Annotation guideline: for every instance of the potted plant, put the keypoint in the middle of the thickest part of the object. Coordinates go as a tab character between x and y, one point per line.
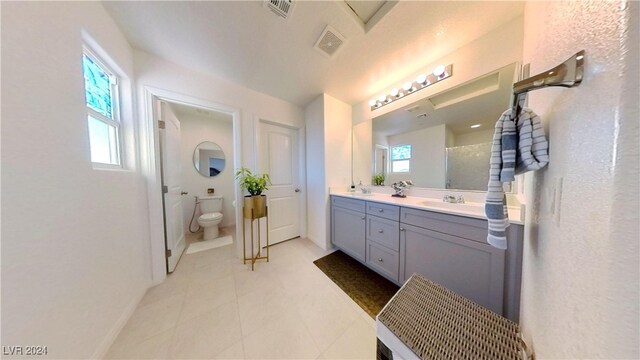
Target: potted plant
254	184
378	179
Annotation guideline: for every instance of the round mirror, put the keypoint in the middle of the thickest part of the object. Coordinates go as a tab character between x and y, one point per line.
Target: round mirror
208	159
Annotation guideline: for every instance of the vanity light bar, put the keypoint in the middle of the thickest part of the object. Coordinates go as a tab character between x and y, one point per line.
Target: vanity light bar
440	73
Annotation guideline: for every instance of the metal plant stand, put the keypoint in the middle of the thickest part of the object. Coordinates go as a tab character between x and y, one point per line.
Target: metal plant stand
254	257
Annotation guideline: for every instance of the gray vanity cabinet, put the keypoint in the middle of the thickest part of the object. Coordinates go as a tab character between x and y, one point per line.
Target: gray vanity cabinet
451	250
471	269
348	222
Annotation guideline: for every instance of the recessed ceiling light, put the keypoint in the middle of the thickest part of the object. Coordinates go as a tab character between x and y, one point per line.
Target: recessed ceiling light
475	126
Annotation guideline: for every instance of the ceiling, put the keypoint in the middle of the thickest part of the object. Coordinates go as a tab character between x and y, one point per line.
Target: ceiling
244	42
480	101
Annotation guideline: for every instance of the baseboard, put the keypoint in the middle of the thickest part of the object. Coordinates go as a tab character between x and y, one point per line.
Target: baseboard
321	246
108	340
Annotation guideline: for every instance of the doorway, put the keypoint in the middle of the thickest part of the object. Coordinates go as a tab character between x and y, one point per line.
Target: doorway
199	182
152	164
381	160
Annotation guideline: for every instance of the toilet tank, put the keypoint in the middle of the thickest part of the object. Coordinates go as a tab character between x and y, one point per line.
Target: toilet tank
210	204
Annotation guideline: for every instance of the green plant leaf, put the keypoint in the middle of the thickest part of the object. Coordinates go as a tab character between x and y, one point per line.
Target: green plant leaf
254	184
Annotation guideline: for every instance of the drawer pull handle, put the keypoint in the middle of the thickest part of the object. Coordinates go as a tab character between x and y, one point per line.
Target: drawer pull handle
363	218
401	229
380	259
380	231
380	210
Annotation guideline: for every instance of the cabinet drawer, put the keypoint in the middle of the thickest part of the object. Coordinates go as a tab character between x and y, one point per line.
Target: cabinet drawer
464	227
390	212
351	204
383	260
384	232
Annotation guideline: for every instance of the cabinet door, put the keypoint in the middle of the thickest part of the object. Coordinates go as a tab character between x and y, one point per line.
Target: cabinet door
471	269
348	231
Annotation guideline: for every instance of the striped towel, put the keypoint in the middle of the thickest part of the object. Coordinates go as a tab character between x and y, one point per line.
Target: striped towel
515	150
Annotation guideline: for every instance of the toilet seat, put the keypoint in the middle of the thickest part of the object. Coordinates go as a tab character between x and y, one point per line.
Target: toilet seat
210	216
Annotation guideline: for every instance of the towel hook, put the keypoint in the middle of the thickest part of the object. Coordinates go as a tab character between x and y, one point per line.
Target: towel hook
568	74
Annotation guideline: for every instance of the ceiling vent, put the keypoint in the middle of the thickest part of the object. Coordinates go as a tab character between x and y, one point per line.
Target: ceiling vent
280	7
330	41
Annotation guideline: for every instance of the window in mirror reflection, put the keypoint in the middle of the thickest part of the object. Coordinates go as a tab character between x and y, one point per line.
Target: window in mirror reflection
400	158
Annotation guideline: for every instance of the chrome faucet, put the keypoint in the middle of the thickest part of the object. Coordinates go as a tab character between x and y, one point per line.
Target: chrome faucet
452	199
449	199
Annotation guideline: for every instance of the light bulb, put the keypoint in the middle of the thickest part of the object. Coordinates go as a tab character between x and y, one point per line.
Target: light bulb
438	71
407	86
394	92
382	98
475	126
372	102
422	79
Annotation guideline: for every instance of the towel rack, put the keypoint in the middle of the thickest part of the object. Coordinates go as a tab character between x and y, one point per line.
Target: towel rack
568	74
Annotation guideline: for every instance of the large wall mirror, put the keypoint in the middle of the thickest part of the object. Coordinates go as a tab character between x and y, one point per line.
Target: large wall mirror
208	159
444	140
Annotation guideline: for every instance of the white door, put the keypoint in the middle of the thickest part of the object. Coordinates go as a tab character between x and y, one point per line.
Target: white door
279	158
171	170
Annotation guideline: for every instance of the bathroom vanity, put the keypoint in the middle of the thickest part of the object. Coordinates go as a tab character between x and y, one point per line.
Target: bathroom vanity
446	243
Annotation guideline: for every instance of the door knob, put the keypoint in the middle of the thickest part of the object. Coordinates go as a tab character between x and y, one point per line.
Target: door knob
184	193
297	190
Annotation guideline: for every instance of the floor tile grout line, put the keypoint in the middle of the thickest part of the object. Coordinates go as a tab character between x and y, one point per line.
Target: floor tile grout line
301	254
341	334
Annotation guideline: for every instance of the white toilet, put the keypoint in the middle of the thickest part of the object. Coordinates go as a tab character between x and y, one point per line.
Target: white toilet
211	209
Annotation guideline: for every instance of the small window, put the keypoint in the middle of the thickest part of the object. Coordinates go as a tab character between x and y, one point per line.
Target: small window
101	92
400	158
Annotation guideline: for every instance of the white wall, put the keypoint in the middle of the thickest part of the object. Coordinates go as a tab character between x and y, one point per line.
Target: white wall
472	138
362	145
337	141
428	157
217	128
75	242
328	127
316	186
251	105
580	279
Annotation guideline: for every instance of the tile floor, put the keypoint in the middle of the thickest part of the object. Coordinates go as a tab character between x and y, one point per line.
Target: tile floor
214	307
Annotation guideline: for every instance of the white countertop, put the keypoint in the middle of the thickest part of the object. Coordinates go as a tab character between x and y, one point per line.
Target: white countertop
470	209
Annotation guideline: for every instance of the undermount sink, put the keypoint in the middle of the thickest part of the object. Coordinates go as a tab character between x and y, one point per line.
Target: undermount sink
476	208
360	194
